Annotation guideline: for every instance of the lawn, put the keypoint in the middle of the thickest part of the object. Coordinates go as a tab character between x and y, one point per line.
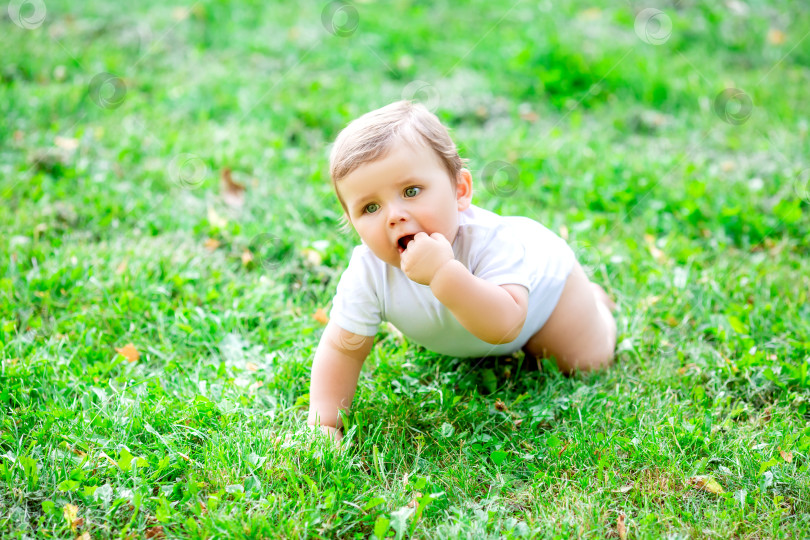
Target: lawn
169	244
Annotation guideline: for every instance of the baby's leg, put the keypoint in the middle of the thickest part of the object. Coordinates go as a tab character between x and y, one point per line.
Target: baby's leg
581	332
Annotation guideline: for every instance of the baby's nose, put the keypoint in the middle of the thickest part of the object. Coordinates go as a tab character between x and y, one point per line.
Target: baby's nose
396	215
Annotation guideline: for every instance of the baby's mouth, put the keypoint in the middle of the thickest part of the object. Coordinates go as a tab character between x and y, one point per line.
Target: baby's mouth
403	242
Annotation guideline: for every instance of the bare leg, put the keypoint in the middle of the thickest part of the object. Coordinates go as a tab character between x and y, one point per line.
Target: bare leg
581	332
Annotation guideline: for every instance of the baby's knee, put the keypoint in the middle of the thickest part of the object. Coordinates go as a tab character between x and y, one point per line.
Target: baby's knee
595	359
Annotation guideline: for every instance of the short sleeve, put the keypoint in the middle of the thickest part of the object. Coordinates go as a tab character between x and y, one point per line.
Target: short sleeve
356	305
501	258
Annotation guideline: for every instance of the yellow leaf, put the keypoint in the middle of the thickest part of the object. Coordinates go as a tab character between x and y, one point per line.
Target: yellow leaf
312	257
706	483
211	244
776	36
215	219
622	528
70	511
129	352
321	316
180	13
66	143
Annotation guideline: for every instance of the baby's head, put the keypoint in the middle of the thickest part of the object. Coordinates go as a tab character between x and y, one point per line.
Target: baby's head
371	137
397	173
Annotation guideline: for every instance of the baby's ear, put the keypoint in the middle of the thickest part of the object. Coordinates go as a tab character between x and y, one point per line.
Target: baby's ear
464	189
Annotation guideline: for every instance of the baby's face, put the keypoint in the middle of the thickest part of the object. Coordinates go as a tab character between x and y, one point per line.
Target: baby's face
406	192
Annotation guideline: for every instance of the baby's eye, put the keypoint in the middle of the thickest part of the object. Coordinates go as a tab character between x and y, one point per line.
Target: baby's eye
371	208
412	191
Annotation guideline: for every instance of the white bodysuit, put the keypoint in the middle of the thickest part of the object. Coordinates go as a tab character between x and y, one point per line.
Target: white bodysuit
499	249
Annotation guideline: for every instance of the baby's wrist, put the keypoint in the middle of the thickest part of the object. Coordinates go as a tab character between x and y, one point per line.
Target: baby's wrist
443	269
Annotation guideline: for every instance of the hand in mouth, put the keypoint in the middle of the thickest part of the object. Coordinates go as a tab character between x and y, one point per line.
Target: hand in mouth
402	243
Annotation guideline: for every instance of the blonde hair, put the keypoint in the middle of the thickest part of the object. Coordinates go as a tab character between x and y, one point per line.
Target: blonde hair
371	137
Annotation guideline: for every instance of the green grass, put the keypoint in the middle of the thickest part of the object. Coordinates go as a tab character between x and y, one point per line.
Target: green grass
698	227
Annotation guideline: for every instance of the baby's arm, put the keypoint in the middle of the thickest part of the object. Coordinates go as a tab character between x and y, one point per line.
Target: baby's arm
492	313
335	370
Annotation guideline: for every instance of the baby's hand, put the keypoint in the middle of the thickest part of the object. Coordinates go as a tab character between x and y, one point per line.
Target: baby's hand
424	256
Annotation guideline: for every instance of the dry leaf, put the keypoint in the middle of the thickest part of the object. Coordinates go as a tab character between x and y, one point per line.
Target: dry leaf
500	405
728	166
155	532
776	36
415	501
121	268
321	316
787	456
247	257
77	523
623	489
255	386
233	193
70	511
622	528
564	232
110	460
687	367
84	536
129	352
706	483
211	244
251	366
529	116
66	143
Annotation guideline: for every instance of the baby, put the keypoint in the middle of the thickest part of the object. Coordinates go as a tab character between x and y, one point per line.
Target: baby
454	278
